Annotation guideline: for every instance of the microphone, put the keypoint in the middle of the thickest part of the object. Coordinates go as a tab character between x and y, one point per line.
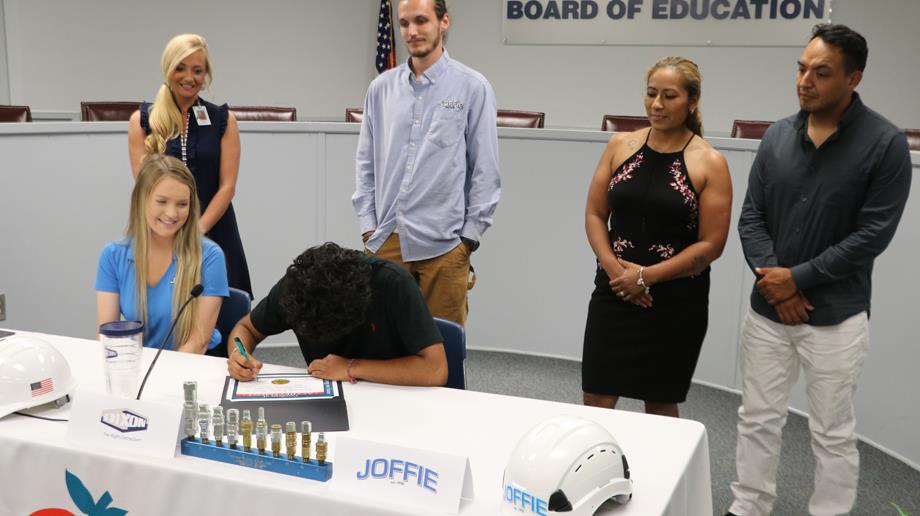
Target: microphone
196	291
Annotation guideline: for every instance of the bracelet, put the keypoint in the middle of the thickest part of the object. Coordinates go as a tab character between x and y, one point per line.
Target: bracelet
351	379
641	281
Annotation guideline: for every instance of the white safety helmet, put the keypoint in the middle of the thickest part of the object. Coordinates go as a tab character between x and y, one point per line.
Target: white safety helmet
32	373
565	466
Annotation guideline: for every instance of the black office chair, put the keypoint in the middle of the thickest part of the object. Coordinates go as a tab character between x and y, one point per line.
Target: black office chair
107	111
15	114
623	123
354	115
913	138
234	308
455	348
750	129
264	113
522	119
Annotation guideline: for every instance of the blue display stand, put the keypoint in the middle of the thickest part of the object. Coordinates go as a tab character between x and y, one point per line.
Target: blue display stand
298	468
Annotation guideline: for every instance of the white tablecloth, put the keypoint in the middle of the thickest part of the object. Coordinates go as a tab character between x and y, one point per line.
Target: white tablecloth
668	458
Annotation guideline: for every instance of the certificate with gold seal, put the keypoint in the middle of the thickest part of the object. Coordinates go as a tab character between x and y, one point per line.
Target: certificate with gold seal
282	386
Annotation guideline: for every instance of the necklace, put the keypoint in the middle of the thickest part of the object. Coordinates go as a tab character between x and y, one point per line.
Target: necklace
183	139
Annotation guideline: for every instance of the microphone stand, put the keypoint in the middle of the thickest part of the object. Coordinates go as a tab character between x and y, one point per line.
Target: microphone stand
196	291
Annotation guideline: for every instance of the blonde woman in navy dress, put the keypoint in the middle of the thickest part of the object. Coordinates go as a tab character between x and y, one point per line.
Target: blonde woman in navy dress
204	136
657	215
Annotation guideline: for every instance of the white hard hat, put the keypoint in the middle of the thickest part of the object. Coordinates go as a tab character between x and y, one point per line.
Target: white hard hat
32	373
565	466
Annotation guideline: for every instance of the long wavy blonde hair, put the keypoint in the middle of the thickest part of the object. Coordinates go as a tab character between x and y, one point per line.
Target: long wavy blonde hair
693	83
186	246
165	118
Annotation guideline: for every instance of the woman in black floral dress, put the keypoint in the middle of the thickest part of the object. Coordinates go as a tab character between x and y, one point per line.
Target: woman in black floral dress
666	195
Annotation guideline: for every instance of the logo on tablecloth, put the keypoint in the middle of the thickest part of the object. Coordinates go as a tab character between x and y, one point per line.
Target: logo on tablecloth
84	501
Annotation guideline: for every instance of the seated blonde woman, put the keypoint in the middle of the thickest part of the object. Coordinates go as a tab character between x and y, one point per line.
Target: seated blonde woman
149	274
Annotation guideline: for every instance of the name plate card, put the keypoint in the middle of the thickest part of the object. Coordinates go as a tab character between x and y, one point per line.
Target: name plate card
117	424
386	473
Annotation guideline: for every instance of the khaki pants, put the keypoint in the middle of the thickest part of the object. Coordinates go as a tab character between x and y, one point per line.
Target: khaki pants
444	280
831	358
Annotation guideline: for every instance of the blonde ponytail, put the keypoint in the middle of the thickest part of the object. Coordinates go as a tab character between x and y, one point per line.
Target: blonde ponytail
165	121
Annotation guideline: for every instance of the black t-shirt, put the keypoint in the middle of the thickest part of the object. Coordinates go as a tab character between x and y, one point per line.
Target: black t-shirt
397	322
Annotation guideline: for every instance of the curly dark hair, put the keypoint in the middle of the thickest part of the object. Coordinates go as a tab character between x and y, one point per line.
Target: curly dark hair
326	291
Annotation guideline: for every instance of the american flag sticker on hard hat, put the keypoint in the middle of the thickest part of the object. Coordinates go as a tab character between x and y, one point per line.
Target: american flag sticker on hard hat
43	387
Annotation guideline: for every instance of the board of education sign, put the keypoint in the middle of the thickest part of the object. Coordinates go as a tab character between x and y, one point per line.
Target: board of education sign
662	22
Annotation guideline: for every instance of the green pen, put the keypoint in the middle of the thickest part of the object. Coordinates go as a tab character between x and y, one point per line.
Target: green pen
239	346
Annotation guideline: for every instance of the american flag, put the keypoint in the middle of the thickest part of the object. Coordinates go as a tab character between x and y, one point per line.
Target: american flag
43	387
386	38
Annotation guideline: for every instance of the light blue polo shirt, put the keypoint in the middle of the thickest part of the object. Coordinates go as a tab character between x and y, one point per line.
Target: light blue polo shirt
116	274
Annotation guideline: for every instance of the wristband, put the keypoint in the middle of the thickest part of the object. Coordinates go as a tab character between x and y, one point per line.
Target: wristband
351	379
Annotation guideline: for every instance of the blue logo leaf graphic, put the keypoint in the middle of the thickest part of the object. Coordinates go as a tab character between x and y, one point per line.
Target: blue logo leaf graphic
102	504
79	494
114	511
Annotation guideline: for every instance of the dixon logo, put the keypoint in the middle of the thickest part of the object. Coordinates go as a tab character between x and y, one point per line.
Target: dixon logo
124	420
399	472
524	501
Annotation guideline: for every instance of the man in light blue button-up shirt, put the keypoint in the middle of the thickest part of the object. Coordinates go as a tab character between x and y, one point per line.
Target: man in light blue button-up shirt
427	162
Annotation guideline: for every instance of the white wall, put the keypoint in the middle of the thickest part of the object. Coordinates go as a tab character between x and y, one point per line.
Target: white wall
575	85
318	55
4	74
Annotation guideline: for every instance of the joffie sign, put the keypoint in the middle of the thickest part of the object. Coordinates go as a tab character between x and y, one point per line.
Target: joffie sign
384	473
662	22
401	472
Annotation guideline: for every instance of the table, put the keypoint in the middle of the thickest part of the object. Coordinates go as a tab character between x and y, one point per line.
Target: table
668	458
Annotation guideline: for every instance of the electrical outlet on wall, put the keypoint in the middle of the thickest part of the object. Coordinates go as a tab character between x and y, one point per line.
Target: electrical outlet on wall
2	306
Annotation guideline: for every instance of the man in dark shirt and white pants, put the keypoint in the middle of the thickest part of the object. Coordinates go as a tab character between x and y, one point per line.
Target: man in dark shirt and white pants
825	194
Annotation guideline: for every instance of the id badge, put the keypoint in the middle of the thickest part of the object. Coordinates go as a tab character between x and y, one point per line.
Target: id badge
201	115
